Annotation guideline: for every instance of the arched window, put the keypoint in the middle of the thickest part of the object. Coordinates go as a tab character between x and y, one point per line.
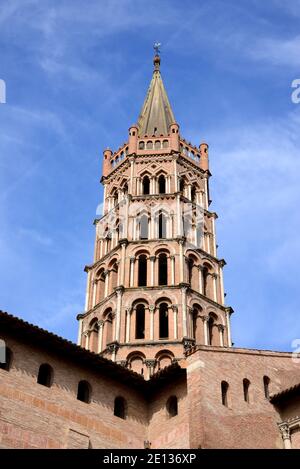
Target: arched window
266	380
140	322
120	407
146	185
163	269
141	145
144	227
142	274
172	406
162	184
246	385
7	360
115	196
181	185
211	325
193	194
190	269
157	145
45	375
162	226
84	392
149	145
224	393
205	280
165	144
163	321
114	276
101	285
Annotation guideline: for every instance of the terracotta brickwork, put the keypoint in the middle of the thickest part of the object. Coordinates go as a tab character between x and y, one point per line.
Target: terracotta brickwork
154	365
155	248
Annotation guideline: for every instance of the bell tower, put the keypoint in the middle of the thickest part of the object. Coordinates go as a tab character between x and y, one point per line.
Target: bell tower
155	286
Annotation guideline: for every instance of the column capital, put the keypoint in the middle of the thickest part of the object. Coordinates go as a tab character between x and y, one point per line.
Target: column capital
175	308
284	430
132	259
113	347
100	323
152	308
123	242
152	258
106	272
150	363
184	286
221	327
119	290
205	318
214	275
172	257
181	240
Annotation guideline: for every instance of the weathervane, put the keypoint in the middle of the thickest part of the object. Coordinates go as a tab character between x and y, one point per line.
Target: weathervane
156	47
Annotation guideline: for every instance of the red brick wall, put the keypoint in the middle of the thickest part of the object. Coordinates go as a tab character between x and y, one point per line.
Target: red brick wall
34	416
166	431
241	424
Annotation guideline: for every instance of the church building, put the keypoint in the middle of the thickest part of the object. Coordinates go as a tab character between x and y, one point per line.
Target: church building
154	365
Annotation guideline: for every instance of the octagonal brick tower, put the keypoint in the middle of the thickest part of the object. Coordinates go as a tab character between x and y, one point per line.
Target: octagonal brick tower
155	286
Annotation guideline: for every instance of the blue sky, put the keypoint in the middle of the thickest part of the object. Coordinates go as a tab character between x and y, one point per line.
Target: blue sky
76	74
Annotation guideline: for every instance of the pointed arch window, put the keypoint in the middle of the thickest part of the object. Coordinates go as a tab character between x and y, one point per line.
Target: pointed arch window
140	322
142	271
163	269
144	227
211	324
162	226
163	321
146	185
205	280
162	184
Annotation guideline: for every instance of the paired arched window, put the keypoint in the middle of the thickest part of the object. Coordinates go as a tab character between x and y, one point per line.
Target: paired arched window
45	375
172	406
120	407
84	392
246	385
224	393
146	185
163	321
162	225
163	269
140	322
266	381
162	184
6	365
142	270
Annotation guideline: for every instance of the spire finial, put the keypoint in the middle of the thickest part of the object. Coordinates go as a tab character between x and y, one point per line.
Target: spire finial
156	60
